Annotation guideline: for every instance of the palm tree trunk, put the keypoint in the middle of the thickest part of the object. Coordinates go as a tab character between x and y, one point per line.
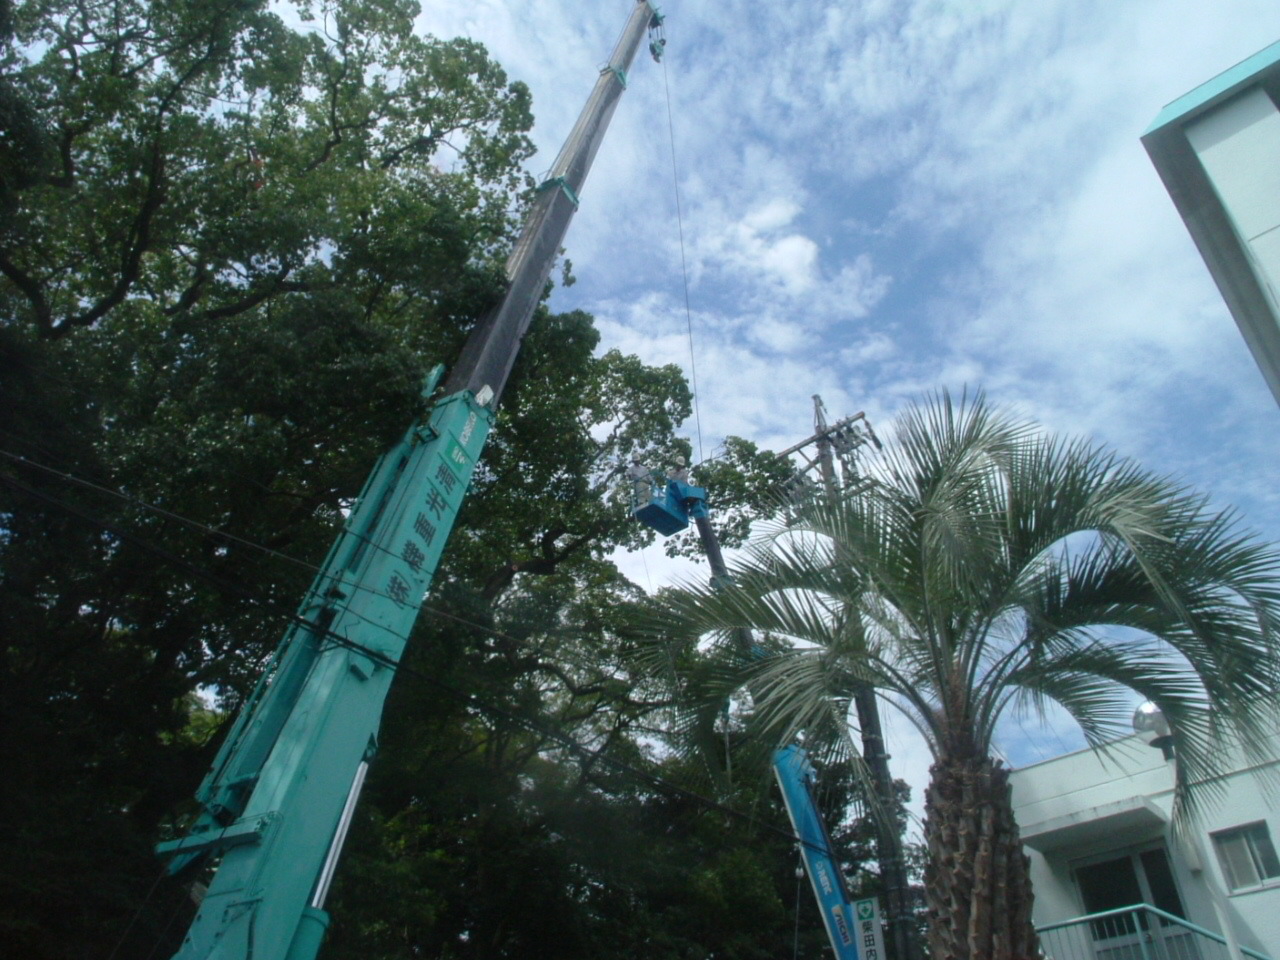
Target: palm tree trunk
978	881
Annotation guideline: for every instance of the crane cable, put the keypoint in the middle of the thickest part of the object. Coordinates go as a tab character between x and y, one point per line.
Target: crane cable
684	267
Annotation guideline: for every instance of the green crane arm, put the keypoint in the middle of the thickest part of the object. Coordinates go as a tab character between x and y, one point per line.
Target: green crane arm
279	796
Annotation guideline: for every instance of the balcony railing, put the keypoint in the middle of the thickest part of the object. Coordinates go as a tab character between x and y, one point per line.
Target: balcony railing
1140	932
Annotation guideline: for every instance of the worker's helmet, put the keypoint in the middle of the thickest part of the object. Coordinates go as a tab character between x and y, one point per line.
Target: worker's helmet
679	461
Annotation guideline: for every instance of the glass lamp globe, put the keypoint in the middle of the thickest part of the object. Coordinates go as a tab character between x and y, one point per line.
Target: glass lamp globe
1149	723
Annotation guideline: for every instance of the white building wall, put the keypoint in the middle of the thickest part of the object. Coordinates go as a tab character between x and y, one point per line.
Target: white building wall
1085	806
1215	148
1238	144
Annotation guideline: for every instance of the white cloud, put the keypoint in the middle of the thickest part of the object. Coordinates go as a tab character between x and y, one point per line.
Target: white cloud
779	336
772	215
884	198
759	252
874	349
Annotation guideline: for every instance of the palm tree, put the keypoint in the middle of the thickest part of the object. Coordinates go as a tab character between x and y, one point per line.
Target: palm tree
986	566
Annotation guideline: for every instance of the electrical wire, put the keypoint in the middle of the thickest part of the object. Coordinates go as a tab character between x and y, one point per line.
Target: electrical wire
229	587
684	268
579	750
645	560
241	541
136	914
795	940
178	906
531	724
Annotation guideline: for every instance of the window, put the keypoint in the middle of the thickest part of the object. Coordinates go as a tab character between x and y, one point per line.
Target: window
1247	856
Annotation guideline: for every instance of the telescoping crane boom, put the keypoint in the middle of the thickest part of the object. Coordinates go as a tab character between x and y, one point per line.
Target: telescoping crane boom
277	801
667	505
796	780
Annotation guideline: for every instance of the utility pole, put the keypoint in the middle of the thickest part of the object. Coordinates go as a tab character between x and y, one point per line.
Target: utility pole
844	438
668	509
277	802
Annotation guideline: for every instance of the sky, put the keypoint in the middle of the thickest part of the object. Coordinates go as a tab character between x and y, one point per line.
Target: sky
884	198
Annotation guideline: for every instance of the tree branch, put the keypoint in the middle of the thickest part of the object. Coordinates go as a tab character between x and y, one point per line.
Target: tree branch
193	292
131	262
67	178
544	565
31	289
256	296
392	157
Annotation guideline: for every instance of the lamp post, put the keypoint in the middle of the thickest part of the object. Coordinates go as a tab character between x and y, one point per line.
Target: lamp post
1150	723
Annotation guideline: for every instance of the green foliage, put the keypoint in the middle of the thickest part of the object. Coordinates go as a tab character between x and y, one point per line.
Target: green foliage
235	243
742	484
209	158
510	848
552	489
24	144
980	568
987	566
250	427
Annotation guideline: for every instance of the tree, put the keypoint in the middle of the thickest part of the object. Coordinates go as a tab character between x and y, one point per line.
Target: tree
988	566
205	160
23	143
484	838
233	242
712	721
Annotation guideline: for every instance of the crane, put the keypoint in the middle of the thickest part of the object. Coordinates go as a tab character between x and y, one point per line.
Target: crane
853	931
667	504
279	797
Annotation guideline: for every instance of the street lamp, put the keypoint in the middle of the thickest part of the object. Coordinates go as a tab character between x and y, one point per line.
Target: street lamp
1150	723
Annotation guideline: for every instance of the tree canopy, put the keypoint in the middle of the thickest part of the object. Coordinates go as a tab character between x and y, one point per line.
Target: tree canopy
203	160
234	236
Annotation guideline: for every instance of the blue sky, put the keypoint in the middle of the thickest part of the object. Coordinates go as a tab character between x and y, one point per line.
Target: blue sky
887	197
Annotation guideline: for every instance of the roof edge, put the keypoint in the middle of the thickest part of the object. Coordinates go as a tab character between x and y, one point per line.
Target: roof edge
1220	87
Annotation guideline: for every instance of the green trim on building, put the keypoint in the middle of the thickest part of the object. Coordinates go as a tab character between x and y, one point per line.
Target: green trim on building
1219	88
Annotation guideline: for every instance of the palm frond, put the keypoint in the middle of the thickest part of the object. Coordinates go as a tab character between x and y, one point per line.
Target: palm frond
984	565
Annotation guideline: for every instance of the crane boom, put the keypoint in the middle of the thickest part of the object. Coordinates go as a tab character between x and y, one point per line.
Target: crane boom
488	355
795	777
280	794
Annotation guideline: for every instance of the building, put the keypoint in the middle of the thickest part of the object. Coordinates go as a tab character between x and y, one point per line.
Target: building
1217	149
1097	828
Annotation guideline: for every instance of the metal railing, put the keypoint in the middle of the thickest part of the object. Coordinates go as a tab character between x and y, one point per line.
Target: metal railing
1140	932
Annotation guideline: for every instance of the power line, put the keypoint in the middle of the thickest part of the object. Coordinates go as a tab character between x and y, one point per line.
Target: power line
578	749
529	723
241	541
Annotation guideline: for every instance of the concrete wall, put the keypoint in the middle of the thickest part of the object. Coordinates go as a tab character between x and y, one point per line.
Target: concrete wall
1215	149
1086	806
1238	144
